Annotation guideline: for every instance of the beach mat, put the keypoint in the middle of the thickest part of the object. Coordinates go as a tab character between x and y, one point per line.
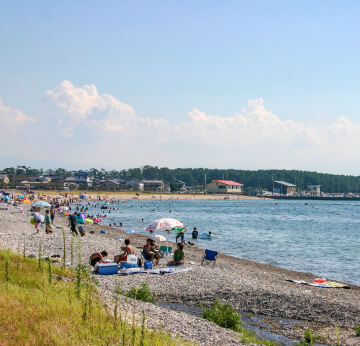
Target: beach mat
163	271
131	271
326	284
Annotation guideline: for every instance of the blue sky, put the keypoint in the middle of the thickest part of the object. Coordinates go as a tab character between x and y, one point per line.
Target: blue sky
227	84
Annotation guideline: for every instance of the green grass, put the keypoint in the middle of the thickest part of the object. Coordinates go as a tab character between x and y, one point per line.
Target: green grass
224	315
42	305
142	293
357	330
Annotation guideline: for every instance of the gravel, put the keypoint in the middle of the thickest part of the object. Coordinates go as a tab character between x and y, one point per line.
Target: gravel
246	285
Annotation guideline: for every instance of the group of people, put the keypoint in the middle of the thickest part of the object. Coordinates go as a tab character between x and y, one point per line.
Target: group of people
150	251
48	219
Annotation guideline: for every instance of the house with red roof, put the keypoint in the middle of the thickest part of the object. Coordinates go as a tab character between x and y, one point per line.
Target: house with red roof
224	186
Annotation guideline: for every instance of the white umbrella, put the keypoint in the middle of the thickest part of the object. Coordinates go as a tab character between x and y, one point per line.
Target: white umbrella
164	224
159	237
42	204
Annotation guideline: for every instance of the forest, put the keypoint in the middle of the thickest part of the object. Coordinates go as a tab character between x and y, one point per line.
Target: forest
252	179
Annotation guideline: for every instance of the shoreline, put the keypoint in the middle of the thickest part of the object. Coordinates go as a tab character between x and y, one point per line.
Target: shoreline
248	286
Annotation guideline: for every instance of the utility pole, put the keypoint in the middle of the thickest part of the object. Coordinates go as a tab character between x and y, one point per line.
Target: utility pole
205	184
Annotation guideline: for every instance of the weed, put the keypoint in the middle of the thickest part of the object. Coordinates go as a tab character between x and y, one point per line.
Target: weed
142	293
337	335
64	244
72	249
6	275
28	294
308	337
357	330
49	272
223	315
24	244
40	263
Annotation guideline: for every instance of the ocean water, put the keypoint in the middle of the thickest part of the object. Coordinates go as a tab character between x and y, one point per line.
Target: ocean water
321	237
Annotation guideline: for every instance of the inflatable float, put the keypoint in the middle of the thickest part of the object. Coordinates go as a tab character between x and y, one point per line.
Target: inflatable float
206	236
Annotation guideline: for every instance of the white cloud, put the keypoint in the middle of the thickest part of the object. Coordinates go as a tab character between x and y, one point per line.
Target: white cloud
104	129
12	121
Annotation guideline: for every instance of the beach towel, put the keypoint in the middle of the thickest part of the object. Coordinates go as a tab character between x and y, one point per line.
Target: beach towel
163	271
326	284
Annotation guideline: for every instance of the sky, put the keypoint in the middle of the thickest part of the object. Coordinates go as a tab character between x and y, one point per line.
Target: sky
218	84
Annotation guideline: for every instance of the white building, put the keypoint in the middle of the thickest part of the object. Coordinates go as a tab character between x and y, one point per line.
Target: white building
314	190
224	186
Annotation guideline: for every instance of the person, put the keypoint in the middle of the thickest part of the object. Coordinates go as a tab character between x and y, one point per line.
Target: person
179	256
48	222
181	234
129	250
73	223
52	215
149	251
98	257
38	218
195	233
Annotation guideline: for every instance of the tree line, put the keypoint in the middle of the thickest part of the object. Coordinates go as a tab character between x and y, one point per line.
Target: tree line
257	179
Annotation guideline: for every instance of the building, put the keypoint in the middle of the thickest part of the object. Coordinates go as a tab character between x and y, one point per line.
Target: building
4	179
153	185
135	184
314	191
224	186
82	177
283	188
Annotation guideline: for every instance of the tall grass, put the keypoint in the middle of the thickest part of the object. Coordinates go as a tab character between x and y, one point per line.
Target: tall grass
51	314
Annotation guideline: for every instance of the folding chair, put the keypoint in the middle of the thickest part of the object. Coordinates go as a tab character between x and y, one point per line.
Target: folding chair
166	250
210	256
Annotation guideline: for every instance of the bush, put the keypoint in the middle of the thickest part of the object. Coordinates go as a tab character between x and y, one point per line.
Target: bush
223	315
357	330
142	293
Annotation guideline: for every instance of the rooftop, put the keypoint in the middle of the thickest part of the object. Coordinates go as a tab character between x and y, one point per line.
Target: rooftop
285	183
228	182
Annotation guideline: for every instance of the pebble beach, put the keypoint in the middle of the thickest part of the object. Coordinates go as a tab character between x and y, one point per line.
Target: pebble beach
250	287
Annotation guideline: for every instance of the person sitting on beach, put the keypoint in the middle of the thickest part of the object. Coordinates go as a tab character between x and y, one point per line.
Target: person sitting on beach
98	257
129	250
149	251
179	256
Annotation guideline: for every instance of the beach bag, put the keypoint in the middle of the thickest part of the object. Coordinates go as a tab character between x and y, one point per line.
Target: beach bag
33	221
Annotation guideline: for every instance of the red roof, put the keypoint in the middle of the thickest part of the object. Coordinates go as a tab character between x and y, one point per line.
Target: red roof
228	182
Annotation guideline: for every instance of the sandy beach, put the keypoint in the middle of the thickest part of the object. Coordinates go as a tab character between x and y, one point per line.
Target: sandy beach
250	287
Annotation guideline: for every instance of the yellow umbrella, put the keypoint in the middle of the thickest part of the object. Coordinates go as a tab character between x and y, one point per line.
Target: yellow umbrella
26	201
89	221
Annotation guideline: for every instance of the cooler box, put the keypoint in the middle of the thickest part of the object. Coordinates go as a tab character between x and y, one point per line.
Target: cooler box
107	268
126	265
148	265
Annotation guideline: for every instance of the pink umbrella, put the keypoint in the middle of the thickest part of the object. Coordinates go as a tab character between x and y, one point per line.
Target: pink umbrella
164	224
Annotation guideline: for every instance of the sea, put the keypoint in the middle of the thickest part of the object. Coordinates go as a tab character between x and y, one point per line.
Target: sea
320	237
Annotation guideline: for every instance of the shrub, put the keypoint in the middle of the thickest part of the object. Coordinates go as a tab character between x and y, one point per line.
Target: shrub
357	330
141	293
223	315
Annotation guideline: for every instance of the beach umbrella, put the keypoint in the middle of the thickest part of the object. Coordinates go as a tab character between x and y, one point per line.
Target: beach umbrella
42	204
89	221
164	224
25	201
159	237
